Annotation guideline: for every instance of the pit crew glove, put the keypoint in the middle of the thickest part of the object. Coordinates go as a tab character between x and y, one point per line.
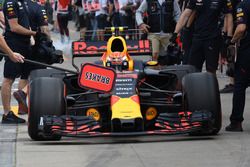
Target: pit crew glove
39	36
173	38
227	41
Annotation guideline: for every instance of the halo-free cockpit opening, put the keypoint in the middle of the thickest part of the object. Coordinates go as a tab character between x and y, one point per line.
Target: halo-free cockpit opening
117	45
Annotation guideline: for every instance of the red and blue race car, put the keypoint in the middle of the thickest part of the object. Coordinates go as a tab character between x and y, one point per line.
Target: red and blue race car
121	96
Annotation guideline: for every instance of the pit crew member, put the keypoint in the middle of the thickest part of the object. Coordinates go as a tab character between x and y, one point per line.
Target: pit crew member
242	68
38	22
17	35
159	30
207	35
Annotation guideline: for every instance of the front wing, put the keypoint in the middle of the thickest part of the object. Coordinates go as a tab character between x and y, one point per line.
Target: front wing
86	126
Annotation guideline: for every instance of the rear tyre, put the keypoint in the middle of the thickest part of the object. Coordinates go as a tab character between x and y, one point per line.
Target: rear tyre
201	92
46	97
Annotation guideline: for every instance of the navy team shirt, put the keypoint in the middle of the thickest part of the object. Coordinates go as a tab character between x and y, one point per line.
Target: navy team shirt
207	17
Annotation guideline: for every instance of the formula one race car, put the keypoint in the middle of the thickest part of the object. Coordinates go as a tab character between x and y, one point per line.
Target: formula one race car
145	99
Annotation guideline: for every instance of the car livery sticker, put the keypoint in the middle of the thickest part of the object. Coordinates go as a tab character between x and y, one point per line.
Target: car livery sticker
87	48
97	77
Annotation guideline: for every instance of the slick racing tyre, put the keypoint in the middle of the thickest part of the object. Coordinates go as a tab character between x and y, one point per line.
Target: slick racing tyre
201	92
46	97
46	73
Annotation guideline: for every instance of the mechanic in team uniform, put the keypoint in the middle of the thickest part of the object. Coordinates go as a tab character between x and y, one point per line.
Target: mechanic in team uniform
37	16
1	17
162	17
17	35
229	55
242	68
38	22
207	35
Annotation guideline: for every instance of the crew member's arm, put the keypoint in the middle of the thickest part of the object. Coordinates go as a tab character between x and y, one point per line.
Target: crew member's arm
2	23
228	19
15	57
229	24
186	14
11	11
138	16
17	28
191	19
1	14
241	18
183	20
239	33
177	11
43	21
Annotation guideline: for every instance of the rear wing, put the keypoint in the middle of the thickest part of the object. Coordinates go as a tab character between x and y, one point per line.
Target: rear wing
97	48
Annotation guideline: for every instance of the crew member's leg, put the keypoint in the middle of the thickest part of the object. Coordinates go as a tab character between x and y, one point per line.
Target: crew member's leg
164	42
187	34
11	71
83	26
20	95
60	25
65	26
6	94
212	51
242	81
155	45
196	56
239	96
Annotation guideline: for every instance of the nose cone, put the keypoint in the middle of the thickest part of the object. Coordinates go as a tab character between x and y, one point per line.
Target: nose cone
127	125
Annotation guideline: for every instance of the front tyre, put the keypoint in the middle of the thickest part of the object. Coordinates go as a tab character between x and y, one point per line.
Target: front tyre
46	97
201	92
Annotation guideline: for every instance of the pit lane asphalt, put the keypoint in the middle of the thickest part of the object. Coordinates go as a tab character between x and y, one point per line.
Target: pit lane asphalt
224	150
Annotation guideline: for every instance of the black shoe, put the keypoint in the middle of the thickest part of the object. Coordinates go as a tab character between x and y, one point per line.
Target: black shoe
11	118
227	89
234	127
